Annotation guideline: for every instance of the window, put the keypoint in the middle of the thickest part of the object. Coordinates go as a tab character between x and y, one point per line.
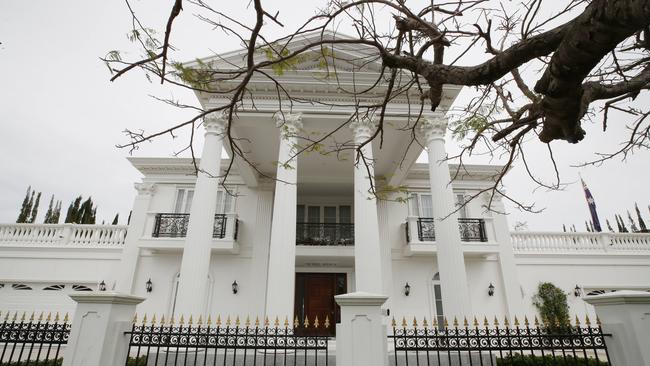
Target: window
324	214
421	205
437	296
184	201
460	201
20	286
54	288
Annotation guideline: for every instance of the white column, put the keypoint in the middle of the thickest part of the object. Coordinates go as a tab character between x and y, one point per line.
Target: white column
511	287
367	249
451	263
195	266
626	316
282	254
361	335
97	336
131	252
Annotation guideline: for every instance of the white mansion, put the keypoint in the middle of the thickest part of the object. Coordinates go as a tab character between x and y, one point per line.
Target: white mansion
285	246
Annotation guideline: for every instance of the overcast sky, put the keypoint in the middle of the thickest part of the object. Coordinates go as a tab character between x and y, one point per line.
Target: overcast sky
61	117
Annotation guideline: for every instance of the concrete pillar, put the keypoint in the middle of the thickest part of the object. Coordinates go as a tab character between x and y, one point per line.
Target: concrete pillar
511	286
367	248
97	336
625	315
282	254
361	336
451	263
195	266
131	252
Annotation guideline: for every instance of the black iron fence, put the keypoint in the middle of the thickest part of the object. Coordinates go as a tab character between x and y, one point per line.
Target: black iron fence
33	340
228	344
174	225
498	344
470	229
308	233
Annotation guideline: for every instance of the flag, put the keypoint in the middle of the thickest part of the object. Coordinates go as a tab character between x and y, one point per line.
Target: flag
592	206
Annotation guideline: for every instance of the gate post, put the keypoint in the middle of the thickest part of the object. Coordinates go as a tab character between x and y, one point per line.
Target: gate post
625	315
97	334
361	337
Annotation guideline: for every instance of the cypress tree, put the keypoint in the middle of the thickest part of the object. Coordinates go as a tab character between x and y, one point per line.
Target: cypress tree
618	224
57	213
640	219
623	227
128	219
591	226
24	212
34	213
609	226
587	226
72	216
632	223
564	228
49	212
115	219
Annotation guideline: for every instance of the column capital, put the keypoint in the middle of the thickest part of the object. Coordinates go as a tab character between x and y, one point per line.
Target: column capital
290	123
145	189
364	127
433	128
215	123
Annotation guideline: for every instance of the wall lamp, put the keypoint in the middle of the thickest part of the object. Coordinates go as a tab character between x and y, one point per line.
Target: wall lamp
235	287
577	291
148	285
491	289
407	289
102	286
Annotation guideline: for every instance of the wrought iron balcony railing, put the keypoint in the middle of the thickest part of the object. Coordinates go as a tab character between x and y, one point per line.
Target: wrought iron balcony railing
174	225
308	233
470	229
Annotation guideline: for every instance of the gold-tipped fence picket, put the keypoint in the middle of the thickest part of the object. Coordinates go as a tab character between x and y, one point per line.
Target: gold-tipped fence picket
198	341
482	343
34	339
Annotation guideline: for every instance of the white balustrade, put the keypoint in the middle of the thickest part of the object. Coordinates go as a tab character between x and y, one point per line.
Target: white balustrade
56	235
561	242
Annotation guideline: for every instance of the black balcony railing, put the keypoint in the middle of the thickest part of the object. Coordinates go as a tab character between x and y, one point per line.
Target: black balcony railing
470	229
308	233
174	225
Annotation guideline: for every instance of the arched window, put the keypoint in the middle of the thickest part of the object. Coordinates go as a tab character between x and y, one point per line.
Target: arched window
437	295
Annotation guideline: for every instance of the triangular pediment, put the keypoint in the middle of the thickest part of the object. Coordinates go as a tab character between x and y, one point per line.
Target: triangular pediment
340	57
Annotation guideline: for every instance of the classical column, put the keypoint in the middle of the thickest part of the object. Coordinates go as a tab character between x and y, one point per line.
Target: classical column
367	249
511	286
282	254
451	263
131	252
195	266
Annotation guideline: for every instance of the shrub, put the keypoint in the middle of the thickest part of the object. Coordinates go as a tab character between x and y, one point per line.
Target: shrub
551	302
521	360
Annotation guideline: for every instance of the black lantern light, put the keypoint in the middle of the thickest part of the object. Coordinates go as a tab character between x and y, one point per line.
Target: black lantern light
148	285
235	287
491	289
407	289
577	291
102	286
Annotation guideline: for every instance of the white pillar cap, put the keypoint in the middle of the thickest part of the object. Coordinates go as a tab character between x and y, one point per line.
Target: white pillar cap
619	298
360	299
104	297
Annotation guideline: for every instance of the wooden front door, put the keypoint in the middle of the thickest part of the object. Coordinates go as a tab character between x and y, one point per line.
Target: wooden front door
315	297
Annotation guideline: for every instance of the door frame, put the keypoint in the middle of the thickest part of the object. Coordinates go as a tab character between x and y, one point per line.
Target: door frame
298	296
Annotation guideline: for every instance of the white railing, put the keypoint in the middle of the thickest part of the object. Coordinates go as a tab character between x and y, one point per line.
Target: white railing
56	235
550	242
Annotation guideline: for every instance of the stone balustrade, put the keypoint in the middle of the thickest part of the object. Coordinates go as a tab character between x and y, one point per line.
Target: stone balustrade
62	235
561	242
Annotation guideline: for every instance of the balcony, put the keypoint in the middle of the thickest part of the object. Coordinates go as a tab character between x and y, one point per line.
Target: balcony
170	229
421	236
328	234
